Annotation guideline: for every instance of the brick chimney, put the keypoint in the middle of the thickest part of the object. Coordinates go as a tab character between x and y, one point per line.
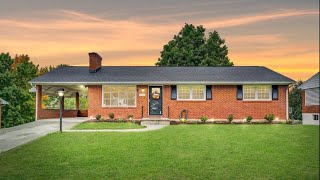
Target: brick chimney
94	62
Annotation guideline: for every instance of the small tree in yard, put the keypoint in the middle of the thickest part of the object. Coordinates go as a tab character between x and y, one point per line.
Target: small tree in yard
295	101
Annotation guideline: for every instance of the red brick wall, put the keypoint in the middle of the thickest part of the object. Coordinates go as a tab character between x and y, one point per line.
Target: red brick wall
94	61
309	109
54	113
95	104
224	102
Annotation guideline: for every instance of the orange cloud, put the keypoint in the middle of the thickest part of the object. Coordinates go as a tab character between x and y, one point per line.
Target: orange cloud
237	21
67	36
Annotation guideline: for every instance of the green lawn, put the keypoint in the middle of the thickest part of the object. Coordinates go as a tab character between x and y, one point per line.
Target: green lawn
174	152
107	125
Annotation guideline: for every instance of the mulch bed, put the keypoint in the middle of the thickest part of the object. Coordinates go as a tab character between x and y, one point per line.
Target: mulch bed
115	121
224	122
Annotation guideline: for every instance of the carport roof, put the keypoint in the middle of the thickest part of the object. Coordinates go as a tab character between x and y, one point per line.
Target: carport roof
162	75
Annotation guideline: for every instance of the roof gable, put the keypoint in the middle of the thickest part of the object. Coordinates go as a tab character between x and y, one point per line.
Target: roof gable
313	82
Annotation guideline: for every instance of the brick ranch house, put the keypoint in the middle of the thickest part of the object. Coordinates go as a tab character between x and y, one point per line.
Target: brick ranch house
311	100
150	92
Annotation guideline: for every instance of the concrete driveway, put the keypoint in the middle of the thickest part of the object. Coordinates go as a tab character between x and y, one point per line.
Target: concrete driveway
18	135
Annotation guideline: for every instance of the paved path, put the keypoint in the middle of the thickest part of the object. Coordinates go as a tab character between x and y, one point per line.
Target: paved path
18	135
148	128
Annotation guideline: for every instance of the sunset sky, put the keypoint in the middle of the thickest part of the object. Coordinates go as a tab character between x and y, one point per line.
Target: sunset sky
280	34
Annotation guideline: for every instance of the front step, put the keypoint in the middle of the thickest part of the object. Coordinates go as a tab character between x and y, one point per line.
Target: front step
145	122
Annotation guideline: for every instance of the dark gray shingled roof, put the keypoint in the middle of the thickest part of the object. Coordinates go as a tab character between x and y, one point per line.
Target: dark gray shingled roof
163	75
313	82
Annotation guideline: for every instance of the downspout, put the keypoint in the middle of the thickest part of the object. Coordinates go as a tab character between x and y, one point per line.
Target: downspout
287	102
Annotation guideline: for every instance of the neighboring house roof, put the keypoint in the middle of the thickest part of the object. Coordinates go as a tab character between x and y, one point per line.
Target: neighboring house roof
3	102
313	82
162	75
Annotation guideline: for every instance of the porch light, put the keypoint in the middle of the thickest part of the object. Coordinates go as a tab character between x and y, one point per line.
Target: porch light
142	90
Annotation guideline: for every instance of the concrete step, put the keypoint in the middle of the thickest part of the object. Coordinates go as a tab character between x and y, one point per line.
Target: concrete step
145	122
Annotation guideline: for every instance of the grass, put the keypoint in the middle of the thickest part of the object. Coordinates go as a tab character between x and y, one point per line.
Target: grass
174	152
107	125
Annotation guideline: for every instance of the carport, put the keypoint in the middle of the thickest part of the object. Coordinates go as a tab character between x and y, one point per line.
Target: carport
71	91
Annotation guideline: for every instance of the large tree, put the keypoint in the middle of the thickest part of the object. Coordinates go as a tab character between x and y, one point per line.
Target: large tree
14	88
191	48
44	70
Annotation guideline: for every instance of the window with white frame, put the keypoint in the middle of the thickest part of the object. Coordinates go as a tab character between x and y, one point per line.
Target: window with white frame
191	92
257	92
312	96
249	92
119	95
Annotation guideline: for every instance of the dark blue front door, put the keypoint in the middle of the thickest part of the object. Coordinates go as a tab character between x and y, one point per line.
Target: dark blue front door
155	100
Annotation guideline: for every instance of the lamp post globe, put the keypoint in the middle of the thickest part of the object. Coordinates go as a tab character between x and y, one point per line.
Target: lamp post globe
61	92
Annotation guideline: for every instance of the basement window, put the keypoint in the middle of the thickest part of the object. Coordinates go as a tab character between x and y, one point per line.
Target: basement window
316	117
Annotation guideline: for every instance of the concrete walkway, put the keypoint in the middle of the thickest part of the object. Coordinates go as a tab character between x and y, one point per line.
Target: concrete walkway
18	135
148	128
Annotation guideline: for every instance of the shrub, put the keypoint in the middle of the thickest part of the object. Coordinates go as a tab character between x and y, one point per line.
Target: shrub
192	122
249	119
120	120
269	117
111	115
230	118
289	121
98	117
183	120
203	119
130	116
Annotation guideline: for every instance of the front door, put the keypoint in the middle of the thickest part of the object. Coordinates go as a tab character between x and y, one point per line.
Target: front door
155	100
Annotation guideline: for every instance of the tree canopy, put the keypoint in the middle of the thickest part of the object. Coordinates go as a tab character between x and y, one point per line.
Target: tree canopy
14	88
15	73
295	101
191	48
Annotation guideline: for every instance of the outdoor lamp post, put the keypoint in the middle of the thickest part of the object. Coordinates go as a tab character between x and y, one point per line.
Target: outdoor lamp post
61	94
